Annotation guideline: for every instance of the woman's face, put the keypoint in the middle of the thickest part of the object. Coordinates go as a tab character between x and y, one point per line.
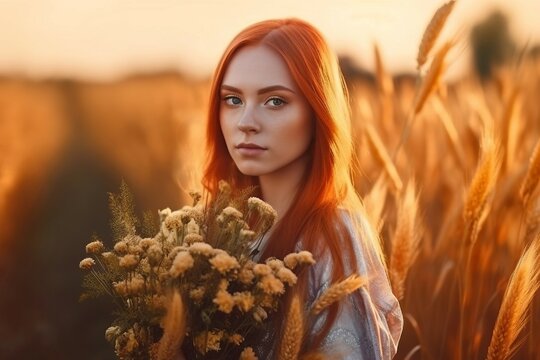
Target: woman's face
265	119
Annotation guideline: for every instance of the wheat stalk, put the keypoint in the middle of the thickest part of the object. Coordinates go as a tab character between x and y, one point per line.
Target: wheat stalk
174	328
338	291
523	284
432	32
293	333
450	130
405	242
374	203
482	187
384	80
431	80
533	176
379	150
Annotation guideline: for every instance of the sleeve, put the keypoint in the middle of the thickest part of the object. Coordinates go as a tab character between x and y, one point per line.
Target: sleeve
369	322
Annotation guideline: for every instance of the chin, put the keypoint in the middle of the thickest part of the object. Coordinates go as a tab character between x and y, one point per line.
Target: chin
250	170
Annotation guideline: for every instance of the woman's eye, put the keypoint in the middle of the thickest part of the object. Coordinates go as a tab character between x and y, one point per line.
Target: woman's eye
232	100
276	102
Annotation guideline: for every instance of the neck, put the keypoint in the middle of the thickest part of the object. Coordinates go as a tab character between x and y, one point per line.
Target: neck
280	187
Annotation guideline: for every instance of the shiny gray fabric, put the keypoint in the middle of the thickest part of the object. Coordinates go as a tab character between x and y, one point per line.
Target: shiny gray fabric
369	323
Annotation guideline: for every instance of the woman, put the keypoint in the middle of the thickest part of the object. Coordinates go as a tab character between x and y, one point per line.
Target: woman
279	119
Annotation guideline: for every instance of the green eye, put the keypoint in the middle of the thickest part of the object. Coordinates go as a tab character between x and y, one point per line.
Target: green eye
275	101
232	100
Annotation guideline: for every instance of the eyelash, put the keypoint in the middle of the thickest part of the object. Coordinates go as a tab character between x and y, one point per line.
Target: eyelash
283	102
230	97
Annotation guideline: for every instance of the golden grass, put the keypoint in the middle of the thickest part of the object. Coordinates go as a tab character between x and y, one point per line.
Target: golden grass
530	183
523	284
405	240
433	76
293	332
152	140
174	328
432	32
480	190
337	291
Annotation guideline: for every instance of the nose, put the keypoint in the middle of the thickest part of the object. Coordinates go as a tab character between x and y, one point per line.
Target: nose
248	121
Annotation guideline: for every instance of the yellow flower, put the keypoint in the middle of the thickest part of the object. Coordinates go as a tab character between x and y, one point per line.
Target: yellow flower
305	257
223	284
224	262
271	285
182	262
232	212
192	238
121	288
201	248
224	301
224	187
197	294
262	269
208	341
121	247
95	247
266	211
235	339
286	276
147	243
274	263
247	235
302	257
164	213
155	254
87	263
244	300
248	354
245	275
136	285
129	262
192	227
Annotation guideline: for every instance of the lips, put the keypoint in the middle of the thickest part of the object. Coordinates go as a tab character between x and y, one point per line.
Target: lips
250	150
249	146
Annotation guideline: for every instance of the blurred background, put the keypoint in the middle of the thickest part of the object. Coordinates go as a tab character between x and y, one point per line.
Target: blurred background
92	92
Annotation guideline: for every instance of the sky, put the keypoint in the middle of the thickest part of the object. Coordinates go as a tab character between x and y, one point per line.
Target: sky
105	39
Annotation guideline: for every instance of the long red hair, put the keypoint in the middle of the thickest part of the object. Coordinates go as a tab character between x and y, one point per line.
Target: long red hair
327	184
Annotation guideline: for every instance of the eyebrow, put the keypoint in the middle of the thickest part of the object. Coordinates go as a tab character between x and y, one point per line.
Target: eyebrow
260	91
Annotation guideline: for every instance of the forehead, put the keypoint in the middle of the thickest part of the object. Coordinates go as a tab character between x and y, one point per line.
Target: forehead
257	66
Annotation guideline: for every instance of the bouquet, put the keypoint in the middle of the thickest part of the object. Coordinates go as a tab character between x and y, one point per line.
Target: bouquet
193	283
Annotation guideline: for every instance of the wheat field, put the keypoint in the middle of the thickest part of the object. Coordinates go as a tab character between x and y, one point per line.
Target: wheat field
449	174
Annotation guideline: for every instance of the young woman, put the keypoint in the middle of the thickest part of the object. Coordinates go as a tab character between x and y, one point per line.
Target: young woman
279	119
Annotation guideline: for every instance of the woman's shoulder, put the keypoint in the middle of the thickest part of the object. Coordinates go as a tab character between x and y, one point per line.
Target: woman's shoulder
355	238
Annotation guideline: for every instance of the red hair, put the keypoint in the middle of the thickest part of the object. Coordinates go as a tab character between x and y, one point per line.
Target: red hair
313	215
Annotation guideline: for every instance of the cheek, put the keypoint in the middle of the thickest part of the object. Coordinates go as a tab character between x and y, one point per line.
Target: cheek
225	128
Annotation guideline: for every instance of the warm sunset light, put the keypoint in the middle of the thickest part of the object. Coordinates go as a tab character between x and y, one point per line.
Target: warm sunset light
104	39
381	179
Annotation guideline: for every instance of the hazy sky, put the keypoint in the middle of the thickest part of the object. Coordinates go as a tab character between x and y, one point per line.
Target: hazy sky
111	38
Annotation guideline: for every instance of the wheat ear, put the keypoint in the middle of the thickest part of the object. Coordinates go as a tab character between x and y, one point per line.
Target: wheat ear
482	187
432	32
405	242
174	328
293	333
338	291
523	284
431	80
533	175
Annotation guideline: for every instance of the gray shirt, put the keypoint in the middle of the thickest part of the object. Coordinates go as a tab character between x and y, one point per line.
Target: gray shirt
369	322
